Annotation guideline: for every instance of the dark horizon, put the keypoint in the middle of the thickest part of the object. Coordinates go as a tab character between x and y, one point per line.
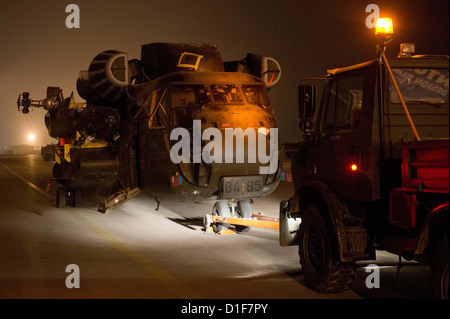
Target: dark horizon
305	37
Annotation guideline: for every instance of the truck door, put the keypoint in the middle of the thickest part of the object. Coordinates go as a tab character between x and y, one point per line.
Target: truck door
344	154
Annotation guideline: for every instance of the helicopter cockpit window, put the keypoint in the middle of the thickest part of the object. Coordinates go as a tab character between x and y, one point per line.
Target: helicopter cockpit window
189	95
182	118
256	94
185	100
226	94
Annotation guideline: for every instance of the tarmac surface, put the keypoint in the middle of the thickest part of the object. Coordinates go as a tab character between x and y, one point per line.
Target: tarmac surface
136	252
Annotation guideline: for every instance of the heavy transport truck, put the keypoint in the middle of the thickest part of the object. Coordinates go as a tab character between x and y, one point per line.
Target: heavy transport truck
372	172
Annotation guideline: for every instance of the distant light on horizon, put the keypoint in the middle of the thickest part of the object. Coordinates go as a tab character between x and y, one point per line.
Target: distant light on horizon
31	138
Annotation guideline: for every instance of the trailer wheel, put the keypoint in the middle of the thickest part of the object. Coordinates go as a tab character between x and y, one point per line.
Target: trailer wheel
220	209
61	197
439	270
207	221
323	271
245	211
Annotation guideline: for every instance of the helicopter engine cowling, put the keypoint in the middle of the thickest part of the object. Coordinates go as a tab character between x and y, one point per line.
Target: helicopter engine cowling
106	79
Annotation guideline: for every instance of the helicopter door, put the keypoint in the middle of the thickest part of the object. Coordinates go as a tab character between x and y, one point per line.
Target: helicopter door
154	148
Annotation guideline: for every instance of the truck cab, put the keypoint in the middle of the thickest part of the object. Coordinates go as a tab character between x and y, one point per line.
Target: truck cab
372	170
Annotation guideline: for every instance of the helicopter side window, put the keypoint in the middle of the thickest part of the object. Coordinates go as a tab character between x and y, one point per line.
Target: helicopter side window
344	108
255	95
226	94
162	117
157	110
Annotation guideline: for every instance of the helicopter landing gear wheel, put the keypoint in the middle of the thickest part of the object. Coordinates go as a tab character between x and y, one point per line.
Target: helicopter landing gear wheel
61	197
77	198
71	196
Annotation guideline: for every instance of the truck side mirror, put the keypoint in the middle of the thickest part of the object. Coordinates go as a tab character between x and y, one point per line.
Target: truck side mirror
307	96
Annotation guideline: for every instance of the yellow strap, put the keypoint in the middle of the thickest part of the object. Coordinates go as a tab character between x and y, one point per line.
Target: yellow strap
67	152
57	158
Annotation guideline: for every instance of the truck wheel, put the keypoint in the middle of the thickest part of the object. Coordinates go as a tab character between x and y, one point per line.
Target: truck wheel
61	197
220	209
245	211
439	270
323	271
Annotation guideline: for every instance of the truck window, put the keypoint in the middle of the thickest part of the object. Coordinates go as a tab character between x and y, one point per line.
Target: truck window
345	102
420	85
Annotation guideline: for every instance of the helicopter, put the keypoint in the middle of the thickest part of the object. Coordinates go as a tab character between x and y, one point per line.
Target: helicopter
178	124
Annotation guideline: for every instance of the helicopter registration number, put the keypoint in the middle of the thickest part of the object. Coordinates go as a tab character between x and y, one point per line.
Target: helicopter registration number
242	186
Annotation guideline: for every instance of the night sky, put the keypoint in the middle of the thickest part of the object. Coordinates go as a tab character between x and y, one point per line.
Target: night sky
307	37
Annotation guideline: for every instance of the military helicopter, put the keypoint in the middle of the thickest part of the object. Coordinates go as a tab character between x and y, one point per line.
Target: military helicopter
126	137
